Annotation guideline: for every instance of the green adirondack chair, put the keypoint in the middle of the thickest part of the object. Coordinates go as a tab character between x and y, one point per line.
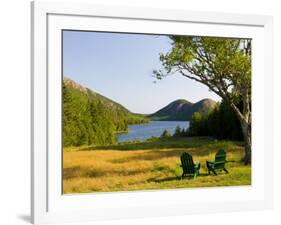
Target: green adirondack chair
218	164
188	167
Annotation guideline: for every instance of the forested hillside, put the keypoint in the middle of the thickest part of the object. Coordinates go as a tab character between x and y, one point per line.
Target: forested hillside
90	118
220	123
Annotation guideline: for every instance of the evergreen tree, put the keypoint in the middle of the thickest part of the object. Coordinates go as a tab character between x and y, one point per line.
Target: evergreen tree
165	134
177	132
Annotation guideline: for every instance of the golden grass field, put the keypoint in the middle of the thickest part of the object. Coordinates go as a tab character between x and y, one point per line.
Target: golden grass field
95	170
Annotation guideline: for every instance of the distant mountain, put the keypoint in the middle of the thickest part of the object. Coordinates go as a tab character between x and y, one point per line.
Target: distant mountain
182	110
110	104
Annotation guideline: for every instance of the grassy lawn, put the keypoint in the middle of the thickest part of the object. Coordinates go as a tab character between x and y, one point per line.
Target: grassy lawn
153	164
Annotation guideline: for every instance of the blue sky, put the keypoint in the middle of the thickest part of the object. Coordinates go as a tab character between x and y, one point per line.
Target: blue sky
119	66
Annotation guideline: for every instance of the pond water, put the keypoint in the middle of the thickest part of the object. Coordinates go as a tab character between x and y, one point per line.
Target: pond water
154	128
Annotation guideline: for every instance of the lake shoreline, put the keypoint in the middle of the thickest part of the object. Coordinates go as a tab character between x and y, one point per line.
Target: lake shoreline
154	128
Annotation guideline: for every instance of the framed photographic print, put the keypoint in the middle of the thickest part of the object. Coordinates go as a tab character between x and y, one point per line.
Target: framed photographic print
140	112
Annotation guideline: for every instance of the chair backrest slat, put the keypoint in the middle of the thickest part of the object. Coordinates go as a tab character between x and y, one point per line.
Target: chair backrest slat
220	159
187	163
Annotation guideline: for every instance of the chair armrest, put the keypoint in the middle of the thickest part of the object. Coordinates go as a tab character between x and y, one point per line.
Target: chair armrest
210	164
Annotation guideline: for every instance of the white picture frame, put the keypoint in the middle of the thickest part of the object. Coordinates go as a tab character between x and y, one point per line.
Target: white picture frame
48	205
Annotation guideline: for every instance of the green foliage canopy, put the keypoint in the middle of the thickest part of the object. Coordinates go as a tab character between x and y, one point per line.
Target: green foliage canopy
220	123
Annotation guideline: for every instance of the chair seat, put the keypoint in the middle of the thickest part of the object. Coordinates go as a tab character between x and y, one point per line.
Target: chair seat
218	164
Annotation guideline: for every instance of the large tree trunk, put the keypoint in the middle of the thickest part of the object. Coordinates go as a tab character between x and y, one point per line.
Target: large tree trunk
245	121
246	130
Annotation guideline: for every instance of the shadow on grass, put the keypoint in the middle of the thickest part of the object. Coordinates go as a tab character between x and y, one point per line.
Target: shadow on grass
158	155
157	180
151	156
111	173
163	179
77	171
70	172
158	143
